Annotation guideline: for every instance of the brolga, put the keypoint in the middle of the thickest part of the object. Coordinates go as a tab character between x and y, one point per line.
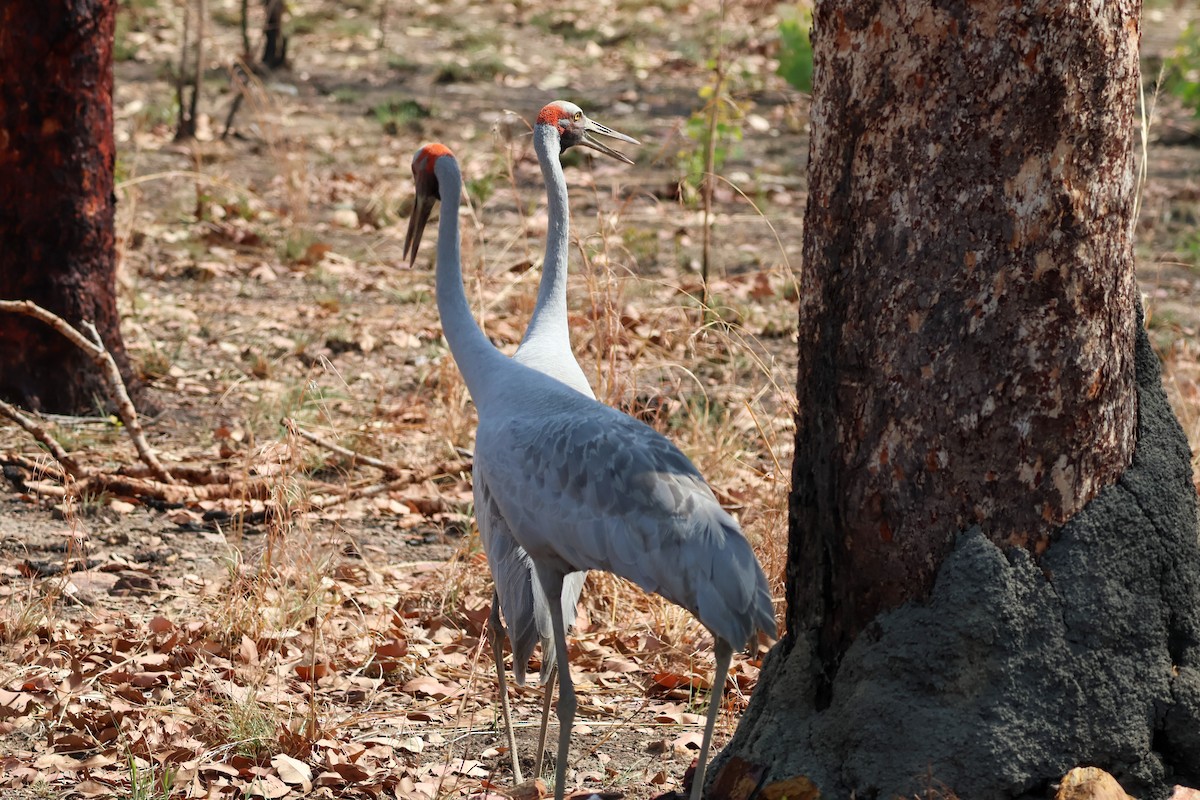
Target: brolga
545	347
582	486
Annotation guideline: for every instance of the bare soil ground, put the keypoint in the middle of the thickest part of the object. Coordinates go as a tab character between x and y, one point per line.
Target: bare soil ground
252	645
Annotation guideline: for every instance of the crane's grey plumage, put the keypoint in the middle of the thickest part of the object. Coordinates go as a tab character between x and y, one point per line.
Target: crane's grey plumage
545	347
627	501
582	486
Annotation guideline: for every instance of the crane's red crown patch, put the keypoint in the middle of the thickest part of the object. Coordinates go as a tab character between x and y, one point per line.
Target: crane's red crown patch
551	114
428	155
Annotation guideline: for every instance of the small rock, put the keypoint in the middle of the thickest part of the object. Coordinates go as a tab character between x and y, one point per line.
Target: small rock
121	507
1090	783
345	217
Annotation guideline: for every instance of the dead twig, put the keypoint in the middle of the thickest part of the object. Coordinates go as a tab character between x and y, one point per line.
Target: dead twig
30	425
35	467
94	347
366	491
389	470
407	479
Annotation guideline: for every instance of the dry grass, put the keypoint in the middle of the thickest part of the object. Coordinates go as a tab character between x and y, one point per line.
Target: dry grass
293	619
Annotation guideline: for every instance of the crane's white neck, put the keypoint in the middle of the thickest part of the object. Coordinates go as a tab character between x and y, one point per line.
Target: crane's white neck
478	360
549	318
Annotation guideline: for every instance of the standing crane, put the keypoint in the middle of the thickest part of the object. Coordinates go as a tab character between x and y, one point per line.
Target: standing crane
545	347
582	486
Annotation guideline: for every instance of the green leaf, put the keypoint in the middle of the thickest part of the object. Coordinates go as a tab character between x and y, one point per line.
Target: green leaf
795	50
1181	72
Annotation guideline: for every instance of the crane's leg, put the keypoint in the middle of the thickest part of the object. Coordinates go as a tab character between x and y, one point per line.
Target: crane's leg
496	637
546	700
724	654
552	586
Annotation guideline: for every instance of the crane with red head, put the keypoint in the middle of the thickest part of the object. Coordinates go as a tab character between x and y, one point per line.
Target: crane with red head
546	347
577	485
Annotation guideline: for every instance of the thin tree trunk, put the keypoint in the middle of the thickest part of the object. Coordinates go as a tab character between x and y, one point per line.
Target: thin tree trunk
247	56
275	42
56	196
185	124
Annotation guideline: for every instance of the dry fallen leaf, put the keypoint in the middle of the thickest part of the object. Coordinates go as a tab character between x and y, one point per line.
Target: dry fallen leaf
688	741
313	671
529	790
292	771
427	686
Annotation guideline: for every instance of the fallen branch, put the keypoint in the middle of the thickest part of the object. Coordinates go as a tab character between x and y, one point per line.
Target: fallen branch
188	473
173	494
152	481
98	353
69	464
35	467
46	489
180	494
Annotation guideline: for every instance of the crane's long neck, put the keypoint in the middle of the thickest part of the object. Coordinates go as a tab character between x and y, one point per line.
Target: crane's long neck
549	320
478	360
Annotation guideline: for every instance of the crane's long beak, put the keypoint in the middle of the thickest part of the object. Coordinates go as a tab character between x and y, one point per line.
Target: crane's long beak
587	140
422	208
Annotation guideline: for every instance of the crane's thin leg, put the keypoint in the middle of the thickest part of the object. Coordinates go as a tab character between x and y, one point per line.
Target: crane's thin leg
552	586
724	654
496	637
546	700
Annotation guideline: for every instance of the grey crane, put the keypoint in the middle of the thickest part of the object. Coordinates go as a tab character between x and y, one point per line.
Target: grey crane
545	347
582	486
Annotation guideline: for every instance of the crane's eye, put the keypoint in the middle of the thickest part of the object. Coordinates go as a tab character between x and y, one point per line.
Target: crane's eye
578	116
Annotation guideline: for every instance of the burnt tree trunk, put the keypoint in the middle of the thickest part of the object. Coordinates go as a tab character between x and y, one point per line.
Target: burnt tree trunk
993	564
57	245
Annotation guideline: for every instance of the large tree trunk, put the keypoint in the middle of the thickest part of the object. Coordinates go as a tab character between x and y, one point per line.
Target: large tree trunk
968	301
57	244
982	591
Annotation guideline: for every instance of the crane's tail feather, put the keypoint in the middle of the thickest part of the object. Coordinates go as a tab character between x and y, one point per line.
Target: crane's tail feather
526	613
735	603
572	587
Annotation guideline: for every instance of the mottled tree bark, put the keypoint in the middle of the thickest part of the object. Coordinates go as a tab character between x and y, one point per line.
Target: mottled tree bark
994	567
968	300
56	196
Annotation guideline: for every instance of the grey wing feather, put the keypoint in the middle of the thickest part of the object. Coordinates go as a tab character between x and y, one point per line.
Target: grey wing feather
522	601
625	500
